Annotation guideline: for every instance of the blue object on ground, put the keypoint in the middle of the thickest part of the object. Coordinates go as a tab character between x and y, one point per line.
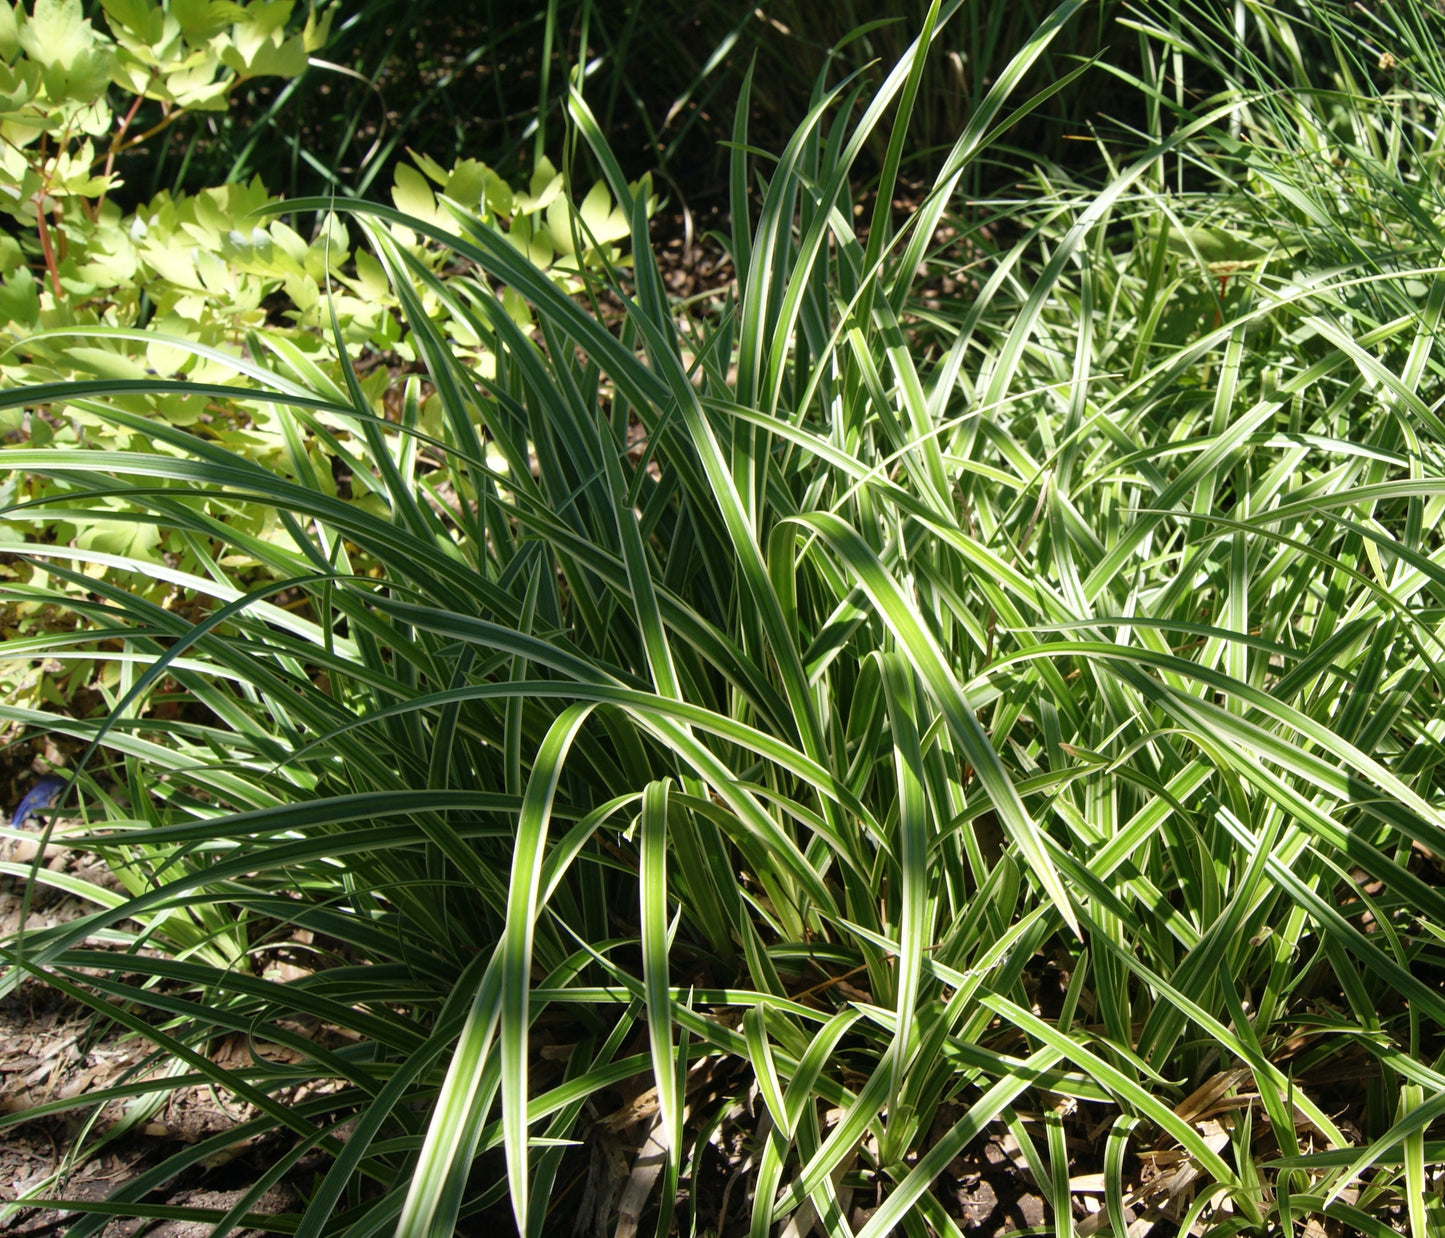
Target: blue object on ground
41	796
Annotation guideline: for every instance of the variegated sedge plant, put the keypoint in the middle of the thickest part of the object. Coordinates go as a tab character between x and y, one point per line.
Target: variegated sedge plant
871	723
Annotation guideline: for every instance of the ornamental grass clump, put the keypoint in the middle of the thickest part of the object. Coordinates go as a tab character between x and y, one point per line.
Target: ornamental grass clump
866	725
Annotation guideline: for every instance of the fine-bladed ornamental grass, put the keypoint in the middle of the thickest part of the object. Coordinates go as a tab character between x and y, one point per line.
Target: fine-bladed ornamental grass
843	727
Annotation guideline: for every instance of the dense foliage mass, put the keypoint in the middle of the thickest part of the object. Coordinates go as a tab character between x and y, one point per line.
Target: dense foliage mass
985	676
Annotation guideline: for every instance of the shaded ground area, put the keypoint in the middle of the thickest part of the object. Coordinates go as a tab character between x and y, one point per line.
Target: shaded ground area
53	1049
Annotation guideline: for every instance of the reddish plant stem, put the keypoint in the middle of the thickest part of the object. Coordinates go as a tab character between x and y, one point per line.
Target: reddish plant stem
115	145
1223	292
167	119
45	246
